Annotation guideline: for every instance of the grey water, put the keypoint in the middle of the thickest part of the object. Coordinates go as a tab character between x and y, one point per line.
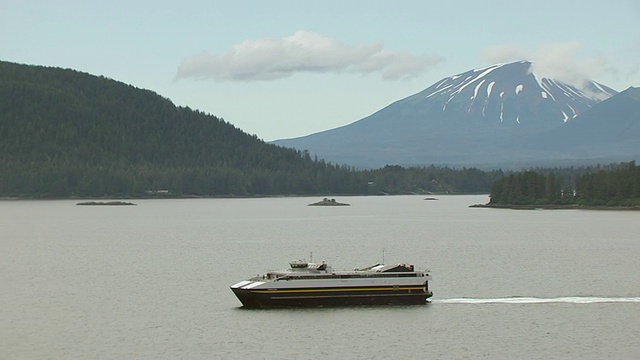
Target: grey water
152	281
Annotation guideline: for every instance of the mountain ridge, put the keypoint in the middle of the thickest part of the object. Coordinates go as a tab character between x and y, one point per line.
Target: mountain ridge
488	117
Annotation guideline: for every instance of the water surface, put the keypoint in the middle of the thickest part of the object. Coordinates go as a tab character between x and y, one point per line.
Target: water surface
152	280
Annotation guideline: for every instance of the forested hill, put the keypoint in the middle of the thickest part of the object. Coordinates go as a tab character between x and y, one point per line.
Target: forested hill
67	133
75	117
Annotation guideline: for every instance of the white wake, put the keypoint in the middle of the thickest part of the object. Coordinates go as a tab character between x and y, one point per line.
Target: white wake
534	300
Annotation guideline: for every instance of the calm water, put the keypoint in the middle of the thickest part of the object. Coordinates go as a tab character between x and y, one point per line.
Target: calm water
152	281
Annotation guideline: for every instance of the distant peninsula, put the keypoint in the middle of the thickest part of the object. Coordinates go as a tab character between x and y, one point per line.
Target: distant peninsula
614	187
328	202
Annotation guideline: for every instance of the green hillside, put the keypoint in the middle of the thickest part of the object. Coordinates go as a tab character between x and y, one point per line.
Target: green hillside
66	133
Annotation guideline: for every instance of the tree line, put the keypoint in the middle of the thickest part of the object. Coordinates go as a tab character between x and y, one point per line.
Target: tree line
611	185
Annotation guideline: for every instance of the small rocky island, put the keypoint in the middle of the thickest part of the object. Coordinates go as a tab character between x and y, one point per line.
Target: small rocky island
328	202
105	203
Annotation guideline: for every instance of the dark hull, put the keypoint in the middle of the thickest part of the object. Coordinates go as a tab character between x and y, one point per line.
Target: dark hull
335	297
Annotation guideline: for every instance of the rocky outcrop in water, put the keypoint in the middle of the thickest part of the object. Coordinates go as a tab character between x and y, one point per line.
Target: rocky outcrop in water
328	202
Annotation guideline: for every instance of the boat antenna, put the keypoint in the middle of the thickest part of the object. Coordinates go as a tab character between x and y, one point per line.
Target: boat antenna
382	255
310	256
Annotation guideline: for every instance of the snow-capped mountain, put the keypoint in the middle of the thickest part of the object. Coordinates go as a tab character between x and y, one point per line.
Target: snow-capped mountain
512	94
488	117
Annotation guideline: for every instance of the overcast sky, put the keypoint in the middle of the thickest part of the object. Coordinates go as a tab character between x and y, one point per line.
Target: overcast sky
281	69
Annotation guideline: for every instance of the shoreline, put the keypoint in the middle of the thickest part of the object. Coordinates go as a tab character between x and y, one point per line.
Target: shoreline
556	207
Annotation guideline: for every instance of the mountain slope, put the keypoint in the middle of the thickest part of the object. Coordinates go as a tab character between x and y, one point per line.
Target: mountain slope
66	133
83	118
476	118
609	127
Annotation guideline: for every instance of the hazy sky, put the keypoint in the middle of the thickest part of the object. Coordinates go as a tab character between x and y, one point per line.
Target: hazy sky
281	69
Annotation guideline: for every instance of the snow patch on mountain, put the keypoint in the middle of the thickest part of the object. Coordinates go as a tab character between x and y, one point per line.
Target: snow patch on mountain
519	89
489	88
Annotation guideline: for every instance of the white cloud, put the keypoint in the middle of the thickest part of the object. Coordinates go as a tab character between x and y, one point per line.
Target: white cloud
271	58
561	61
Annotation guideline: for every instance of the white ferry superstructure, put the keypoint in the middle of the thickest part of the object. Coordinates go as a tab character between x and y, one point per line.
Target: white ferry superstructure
316	284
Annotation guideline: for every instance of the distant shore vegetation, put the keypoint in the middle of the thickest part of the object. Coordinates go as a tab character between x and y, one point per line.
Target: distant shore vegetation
616	185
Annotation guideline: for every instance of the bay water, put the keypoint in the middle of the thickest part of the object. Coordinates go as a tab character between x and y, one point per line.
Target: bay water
151	281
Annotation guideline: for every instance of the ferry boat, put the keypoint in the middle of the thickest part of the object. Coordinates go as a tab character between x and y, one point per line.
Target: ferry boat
317	284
